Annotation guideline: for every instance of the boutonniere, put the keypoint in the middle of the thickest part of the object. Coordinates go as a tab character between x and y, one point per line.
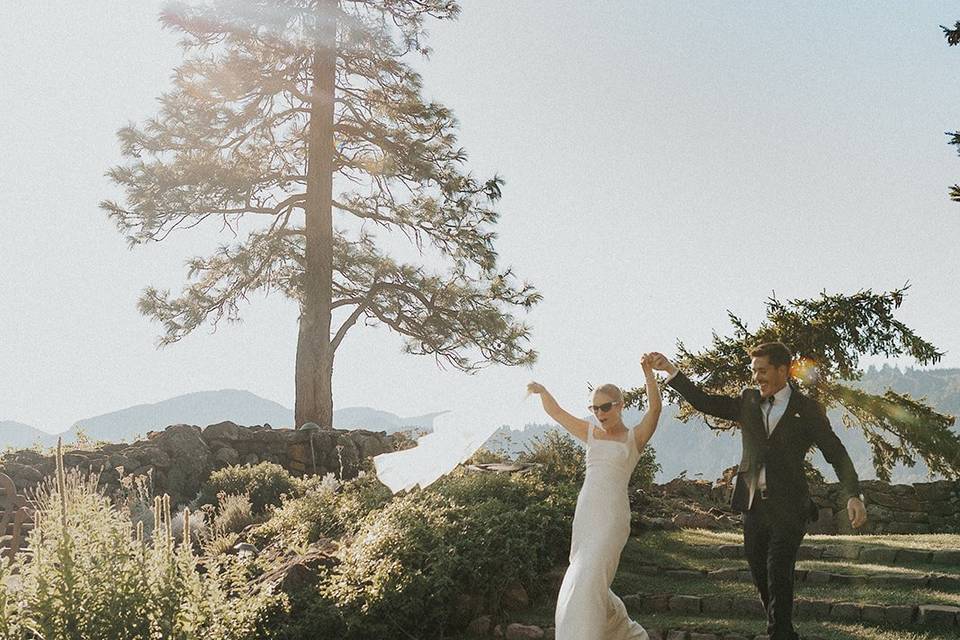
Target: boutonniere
796	415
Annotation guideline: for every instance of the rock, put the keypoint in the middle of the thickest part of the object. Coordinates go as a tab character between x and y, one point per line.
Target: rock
716	604
877	555
899	614
226	431
824	523
227	456
937	615
809	552
184	444
517	631
814	609
19	471
730	551
676	634
685	604
515	597
917	556
946	556
817	577
845	611
479	626
872	613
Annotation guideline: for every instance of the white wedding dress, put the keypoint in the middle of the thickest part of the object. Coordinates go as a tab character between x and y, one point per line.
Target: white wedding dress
586	607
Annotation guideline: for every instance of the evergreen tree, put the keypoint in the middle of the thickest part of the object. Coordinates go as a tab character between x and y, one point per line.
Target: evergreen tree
953	38
828	335
281	101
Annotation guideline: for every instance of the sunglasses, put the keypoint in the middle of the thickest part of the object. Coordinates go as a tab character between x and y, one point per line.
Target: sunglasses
602	407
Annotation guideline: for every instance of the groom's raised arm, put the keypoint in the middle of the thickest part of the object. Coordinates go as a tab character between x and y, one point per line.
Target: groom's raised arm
715	405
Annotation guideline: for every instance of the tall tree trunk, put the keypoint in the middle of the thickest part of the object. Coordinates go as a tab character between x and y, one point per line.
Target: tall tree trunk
314	372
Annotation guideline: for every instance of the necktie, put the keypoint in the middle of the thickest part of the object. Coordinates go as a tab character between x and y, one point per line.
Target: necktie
766	414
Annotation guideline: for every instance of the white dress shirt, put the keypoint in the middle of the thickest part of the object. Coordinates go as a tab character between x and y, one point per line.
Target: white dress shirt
771	415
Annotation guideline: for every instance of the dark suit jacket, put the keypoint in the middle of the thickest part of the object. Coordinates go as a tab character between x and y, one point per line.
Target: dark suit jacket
804	424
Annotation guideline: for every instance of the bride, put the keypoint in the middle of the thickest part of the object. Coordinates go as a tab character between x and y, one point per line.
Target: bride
586	607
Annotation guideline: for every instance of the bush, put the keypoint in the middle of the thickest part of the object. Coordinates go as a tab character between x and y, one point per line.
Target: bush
327	509
467	536
561	457
264	483
94	575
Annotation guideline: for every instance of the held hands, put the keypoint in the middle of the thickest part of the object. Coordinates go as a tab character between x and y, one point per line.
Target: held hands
856	511
659	362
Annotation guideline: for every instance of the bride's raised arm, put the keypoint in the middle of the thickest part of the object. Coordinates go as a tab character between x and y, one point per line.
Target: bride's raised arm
571	423
648	424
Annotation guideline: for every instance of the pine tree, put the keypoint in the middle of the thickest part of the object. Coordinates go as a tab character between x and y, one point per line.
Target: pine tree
953	38
828	335
281	101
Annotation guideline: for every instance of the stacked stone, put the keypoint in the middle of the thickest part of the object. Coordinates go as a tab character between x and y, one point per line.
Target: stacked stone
923	507
181	457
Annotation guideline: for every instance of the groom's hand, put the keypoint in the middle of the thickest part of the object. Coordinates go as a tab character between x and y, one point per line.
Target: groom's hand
661	363
857	512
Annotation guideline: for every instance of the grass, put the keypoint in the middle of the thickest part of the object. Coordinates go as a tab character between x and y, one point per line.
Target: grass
930	542
697	549
543	617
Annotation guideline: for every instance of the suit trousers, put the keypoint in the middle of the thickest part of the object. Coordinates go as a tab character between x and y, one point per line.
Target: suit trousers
771	546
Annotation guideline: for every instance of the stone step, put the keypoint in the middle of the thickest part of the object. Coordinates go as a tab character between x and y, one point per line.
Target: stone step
925	615
937	581
860	553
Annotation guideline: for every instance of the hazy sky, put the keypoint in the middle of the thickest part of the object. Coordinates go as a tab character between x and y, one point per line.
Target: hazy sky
664	162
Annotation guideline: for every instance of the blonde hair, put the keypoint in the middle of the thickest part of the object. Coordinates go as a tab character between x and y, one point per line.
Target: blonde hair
611	390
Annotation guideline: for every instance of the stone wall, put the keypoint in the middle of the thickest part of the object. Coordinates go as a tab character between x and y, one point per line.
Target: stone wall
181	457
922	507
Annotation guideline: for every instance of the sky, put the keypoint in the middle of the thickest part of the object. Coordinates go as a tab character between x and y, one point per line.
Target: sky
664	163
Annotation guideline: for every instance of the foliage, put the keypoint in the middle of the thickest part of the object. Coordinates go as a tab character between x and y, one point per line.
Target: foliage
828	335
281	104
264	483
470	535
328	508
563	460
93	575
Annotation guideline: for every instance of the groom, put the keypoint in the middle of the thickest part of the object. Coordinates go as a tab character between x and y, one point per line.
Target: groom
778	425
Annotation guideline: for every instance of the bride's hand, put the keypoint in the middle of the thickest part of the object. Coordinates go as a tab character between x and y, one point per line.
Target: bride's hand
646	362
535	387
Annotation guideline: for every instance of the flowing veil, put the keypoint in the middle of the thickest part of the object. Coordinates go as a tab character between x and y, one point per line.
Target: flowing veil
438	453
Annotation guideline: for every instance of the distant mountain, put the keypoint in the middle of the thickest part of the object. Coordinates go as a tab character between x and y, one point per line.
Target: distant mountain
203	408
376	420
200	408
22	436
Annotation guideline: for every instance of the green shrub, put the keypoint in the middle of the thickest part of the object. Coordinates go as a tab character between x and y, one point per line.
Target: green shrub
265	483
327	509
468	535
94	575
561	457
